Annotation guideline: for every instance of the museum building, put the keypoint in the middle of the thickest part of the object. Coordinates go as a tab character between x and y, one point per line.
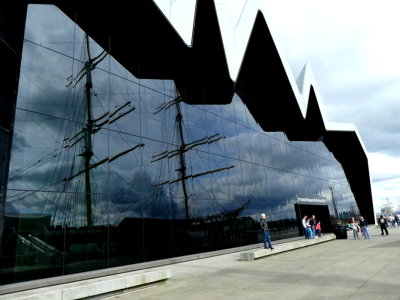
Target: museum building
121	144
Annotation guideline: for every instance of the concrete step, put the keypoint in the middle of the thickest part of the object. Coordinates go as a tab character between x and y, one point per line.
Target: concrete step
253	254
90	288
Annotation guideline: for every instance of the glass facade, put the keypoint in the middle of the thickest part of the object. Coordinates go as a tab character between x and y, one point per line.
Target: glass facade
108	169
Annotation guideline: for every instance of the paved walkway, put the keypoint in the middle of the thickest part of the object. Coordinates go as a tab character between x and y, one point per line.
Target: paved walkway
340	269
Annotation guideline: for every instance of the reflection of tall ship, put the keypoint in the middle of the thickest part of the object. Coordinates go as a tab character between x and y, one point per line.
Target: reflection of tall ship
82	144
72	224
75	225
71	194
83	163
180	151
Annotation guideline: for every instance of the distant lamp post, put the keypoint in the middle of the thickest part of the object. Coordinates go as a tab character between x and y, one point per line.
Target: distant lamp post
334	203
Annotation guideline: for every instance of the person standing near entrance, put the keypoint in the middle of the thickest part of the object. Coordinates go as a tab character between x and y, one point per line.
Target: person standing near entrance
309	231
304	223
318	229
364	225
265	232
313	223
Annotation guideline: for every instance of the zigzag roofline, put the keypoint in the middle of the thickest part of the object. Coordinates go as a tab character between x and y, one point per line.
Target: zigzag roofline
205	20
240	44
305	80
303	99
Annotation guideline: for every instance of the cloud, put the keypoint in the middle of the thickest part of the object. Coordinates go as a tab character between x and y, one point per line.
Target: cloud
385	175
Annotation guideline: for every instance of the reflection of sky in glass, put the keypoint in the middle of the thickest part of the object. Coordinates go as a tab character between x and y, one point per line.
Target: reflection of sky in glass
267	169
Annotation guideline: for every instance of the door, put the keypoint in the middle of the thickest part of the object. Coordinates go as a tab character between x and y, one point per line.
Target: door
321	213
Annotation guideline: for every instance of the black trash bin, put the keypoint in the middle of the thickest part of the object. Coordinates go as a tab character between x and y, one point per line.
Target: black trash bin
340	231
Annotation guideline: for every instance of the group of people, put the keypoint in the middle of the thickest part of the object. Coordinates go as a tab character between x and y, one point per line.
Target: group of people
311	227
390	220
359	227
383	222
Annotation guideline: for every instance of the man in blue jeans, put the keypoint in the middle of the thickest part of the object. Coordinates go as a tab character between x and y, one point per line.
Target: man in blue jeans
265	232
364	226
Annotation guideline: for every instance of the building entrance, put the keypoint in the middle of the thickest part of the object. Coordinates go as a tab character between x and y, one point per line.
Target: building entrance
321	212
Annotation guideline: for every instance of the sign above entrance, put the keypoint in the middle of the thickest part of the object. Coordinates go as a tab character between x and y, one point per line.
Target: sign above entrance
312	200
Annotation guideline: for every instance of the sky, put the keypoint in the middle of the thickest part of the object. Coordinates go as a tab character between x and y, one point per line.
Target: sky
353	49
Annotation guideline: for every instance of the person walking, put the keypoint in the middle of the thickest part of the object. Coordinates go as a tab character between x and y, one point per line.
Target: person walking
383	225
364	225
265	232
397	220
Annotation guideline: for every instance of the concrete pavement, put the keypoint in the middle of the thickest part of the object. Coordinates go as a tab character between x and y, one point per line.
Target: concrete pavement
339	269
